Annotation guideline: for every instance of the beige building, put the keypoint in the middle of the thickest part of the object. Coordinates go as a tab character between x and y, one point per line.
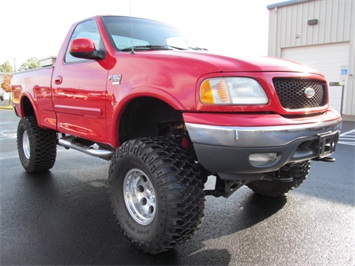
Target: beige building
320	34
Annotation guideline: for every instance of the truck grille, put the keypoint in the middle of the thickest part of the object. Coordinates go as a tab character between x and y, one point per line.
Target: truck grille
297	93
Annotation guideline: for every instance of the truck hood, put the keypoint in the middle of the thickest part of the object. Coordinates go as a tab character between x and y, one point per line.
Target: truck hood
173	76
222	63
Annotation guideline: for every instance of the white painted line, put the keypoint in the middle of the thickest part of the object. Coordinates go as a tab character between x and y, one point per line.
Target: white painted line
347	138
348	132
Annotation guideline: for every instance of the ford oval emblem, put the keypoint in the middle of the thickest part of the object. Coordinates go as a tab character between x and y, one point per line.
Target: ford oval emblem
309	93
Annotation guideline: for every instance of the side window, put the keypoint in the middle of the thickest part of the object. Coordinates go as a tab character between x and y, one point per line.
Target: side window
87	29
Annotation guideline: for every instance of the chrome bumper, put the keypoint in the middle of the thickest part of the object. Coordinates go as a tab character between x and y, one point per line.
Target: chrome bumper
226	149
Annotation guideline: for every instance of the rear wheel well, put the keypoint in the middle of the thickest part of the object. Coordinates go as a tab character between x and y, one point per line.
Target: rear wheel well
27	108
147	116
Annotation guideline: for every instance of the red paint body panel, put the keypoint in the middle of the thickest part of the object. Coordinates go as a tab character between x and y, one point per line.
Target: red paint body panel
81	99
35	86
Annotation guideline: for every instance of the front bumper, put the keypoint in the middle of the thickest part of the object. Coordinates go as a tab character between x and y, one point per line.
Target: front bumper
227	150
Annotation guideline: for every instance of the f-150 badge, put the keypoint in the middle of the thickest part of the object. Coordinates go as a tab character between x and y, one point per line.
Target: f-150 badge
115	79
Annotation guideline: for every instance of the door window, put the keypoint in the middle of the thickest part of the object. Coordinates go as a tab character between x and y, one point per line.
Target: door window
87	29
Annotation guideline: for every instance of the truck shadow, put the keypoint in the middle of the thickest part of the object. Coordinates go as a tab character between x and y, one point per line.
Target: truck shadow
224	217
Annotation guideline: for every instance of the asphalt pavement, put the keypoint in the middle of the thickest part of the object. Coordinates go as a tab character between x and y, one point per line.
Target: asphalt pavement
63	217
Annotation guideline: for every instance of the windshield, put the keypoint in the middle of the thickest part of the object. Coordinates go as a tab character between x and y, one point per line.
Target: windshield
144	34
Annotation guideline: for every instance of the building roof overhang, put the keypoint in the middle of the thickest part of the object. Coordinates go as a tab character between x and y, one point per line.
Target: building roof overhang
286	3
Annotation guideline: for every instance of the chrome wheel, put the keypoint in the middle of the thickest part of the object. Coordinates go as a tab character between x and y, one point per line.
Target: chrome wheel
26	145
139	196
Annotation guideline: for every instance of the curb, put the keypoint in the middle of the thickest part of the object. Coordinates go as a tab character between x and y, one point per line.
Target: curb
6	107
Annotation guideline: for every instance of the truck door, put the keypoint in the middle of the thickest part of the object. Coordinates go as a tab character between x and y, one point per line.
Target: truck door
79	89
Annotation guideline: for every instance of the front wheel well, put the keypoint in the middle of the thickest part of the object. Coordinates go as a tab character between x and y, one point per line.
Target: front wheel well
148	116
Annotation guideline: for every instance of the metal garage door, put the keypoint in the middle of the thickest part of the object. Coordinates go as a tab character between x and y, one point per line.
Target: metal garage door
327	58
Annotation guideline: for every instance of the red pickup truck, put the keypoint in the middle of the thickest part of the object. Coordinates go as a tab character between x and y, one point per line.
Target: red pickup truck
170	115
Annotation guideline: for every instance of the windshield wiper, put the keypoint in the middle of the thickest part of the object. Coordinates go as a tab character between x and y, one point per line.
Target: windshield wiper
151	47
198	48
160	47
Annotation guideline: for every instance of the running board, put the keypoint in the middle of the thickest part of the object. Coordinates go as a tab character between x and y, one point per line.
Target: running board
70	143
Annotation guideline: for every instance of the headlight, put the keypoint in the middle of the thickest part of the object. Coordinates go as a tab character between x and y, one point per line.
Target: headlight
232	90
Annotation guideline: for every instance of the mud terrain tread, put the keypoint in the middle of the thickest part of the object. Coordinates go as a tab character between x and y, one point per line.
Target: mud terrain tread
42	144
179	189
298	171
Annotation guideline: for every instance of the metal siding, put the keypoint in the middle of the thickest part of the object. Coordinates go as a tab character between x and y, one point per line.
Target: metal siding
273	37
315	11
292	27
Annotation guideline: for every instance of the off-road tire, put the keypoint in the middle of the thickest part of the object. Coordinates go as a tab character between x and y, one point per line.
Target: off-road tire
172	177
298	171
37	147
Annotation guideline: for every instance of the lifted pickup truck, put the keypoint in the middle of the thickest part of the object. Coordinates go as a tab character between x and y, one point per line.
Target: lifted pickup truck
170	115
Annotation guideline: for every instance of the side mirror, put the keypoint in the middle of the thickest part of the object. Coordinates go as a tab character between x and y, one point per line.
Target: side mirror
85	48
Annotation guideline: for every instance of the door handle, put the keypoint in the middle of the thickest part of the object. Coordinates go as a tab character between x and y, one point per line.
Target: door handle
58	80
